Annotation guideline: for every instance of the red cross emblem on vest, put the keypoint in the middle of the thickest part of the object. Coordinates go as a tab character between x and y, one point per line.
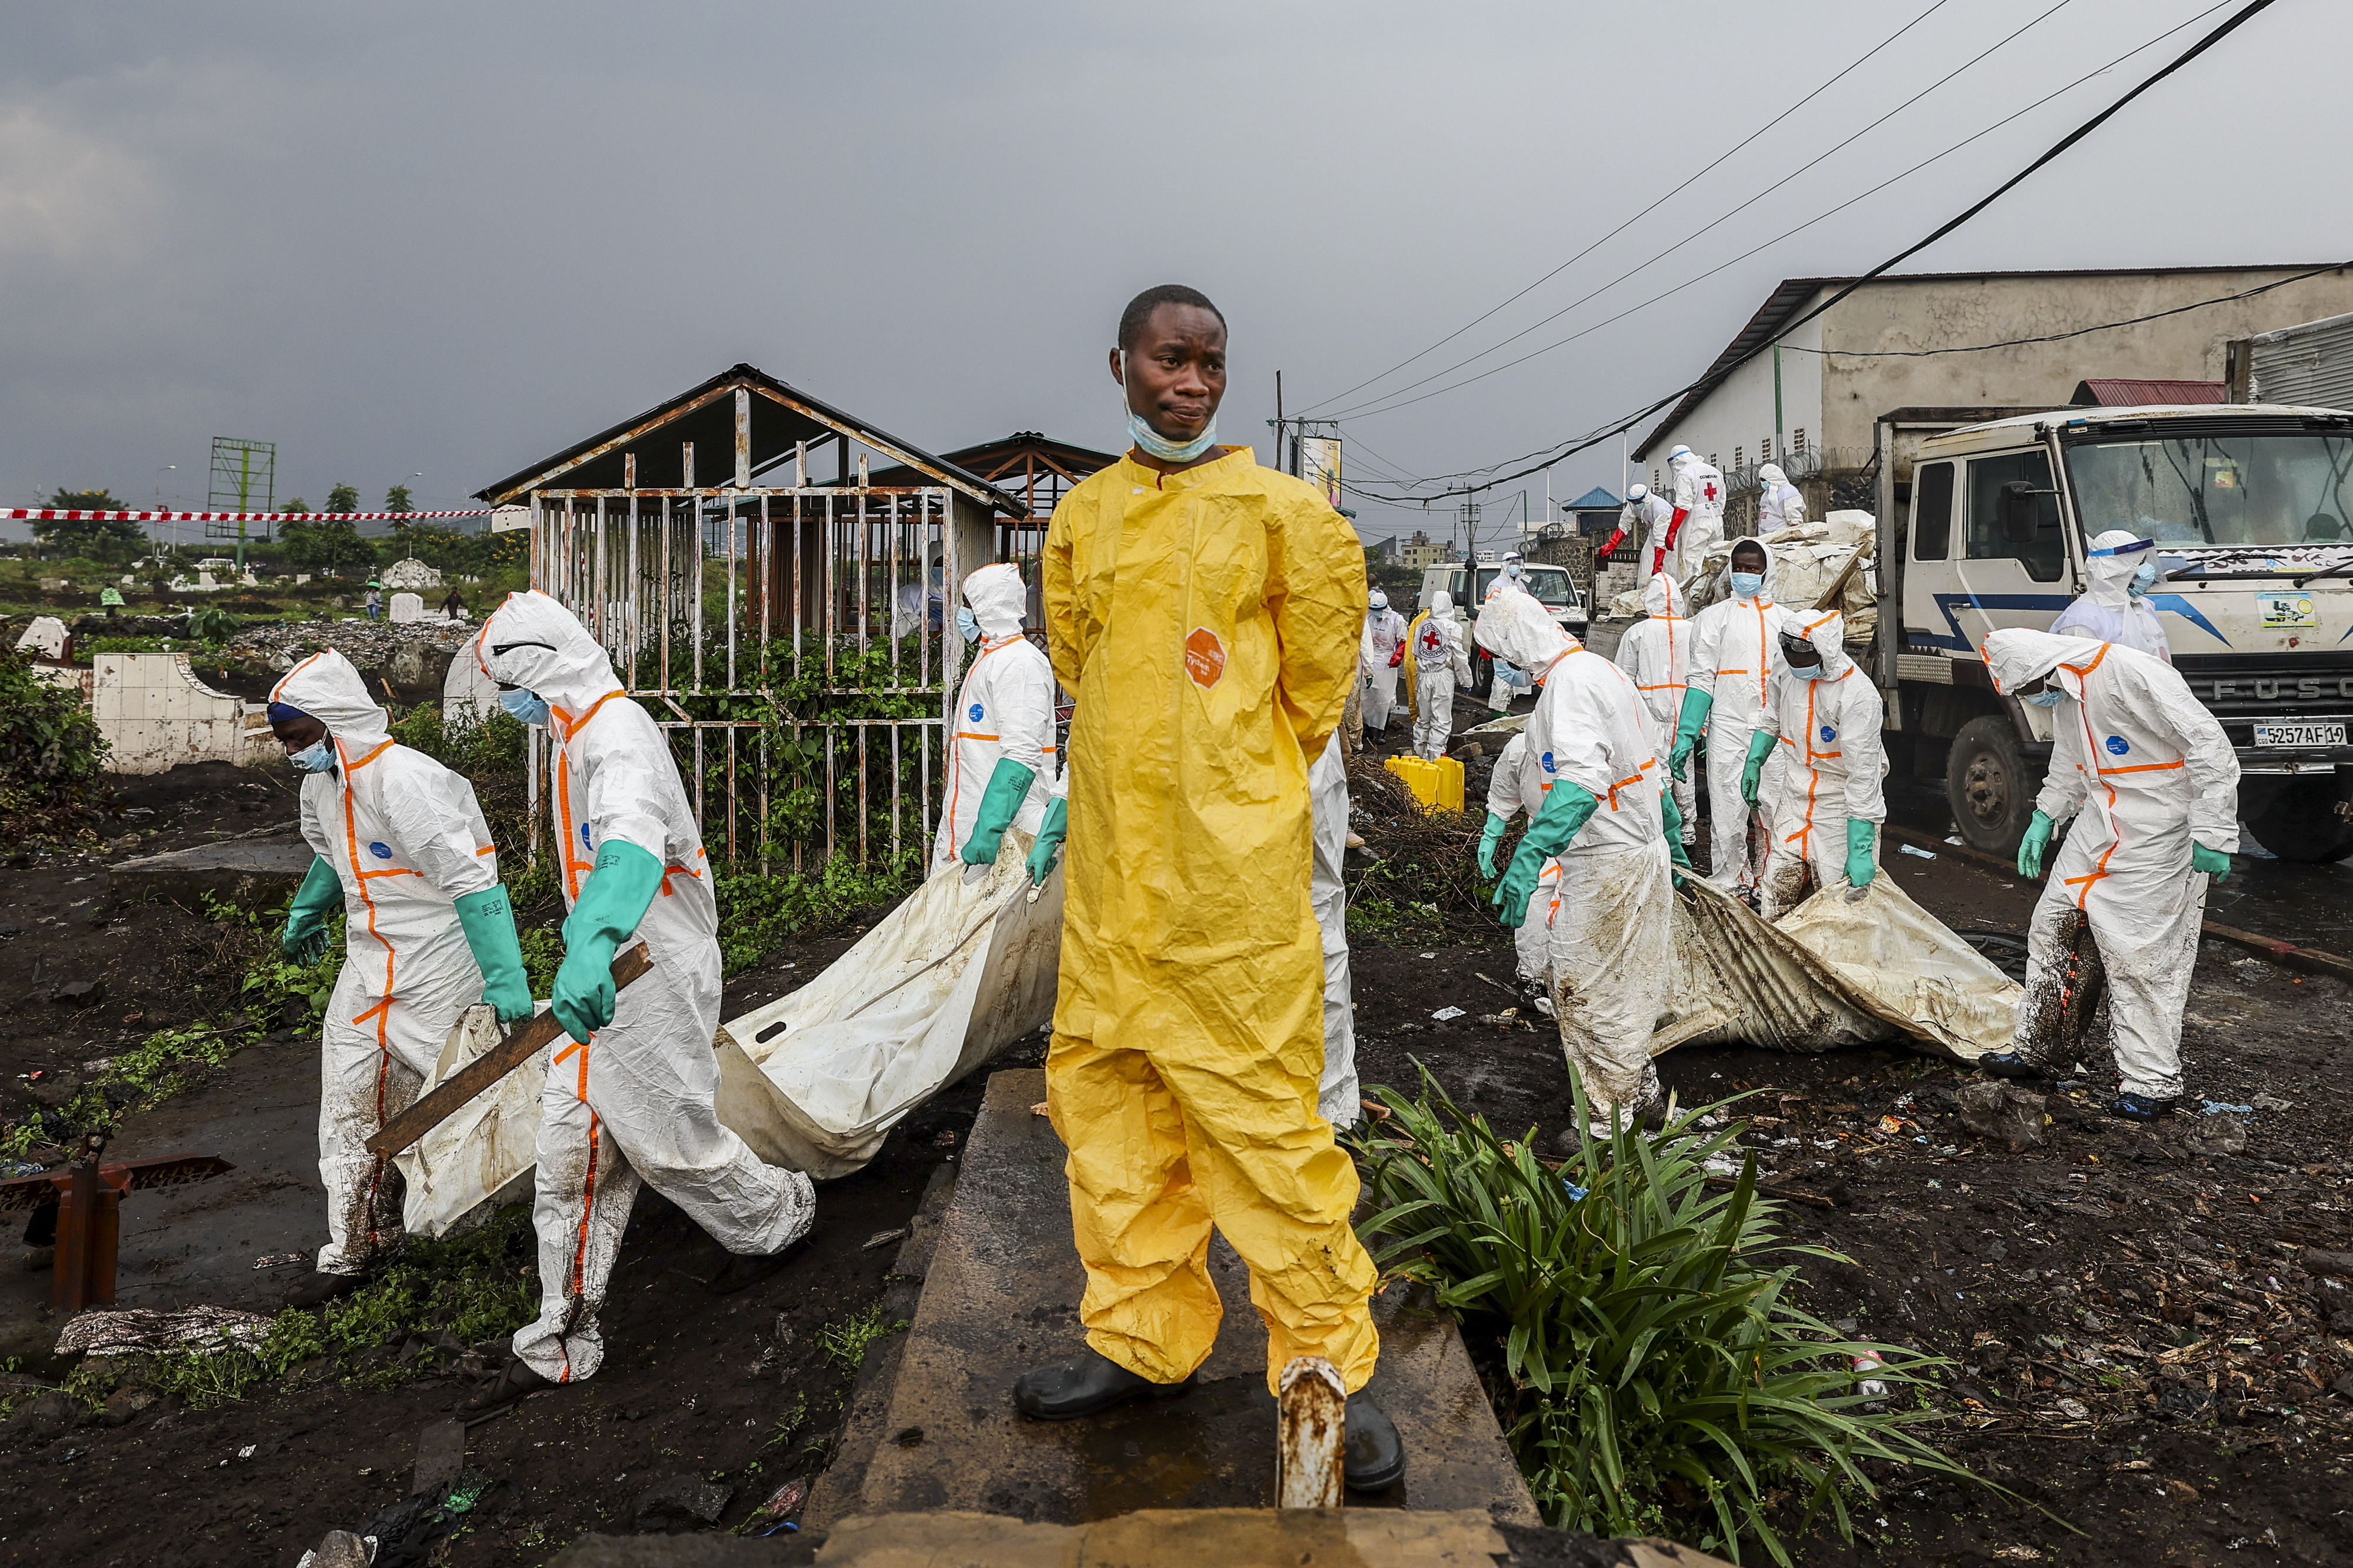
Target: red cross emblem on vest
1430	639
1708	489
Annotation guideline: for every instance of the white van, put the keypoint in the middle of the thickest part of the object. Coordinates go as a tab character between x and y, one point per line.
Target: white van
1468	582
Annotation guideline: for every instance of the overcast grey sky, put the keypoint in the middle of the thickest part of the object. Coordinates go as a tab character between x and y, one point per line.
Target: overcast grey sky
451	239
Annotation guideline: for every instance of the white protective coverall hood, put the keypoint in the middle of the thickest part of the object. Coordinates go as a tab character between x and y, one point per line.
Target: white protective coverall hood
1338	1097
1735	648
1699	500
1004	709
2107	611
2145	771
1440	663
1655	654
1778	503
1833	759
1611	937
406	840
635	1101
1384	629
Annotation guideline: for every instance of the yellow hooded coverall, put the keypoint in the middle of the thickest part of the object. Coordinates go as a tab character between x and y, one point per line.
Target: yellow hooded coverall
1208	623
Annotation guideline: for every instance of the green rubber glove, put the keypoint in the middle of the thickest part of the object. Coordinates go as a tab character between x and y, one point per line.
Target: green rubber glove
1009	786
1565	811
1862	851
1675	821
1689	726
487	921
2034	846
304	940
611	903
2213	862
1050	832
1487	842
1752	771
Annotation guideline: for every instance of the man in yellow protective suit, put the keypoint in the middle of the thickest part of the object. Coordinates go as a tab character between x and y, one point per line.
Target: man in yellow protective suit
1206	612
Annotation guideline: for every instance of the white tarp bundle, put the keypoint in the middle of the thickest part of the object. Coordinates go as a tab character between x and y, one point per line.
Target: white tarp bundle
962	968
481	1155
1833	972
1805	561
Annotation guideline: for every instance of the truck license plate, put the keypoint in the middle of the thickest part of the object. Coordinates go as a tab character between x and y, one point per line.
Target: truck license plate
2299	735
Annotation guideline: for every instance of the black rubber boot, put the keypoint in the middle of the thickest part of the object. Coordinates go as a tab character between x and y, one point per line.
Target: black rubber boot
2010	1064
515	1381
316	1290
1085	1384
1374	1459
2139	1107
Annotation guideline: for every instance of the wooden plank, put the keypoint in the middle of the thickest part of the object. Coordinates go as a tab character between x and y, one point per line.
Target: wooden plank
492	1065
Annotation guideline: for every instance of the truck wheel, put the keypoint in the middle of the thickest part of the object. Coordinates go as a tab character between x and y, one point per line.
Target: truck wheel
2305	819
1482	674
1989	785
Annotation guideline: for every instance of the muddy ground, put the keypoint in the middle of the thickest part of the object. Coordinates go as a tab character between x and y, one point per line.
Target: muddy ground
2141	1319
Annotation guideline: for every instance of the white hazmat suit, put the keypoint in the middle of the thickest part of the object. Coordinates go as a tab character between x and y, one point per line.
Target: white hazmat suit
1698	519
2109	610
1533	941
1735	648
1440	663
406	840
1833	759
1778	503
1384	633
1338	1096
2147	776
1655	654
1610	936
1005	709
634	1100
1649	518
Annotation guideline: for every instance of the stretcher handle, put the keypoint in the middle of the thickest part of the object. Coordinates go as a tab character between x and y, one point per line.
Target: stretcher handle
528	1039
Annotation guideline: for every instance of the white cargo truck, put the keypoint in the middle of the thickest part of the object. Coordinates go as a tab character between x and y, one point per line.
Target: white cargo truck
1984	514
1467	581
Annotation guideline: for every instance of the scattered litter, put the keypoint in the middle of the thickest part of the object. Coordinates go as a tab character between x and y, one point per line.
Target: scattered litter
785	1500
1864	1366
1428	955
1447	1015
101	1063
1955	839
884	1238
2020	1553
1576	1194
1915	850
2217	1108
1508	1018
11	1170
341	1549
1997	1110
1721	1164
280	1259
681	1503
142	1329
2074	1410
2271	1102
1038	1109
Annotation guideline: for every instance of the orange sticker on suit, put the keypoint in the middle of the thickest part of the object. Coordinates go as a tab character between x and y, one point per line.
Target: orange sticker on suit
1205	656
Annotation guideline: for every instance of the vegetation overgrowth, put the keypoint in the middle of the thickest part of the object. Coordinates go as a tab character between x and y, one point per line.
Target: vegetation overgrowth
52	758
1644	1346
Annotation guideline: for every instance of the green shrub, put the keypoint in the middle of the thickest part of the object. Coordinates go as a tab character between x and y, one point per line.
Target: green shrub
757	913
1655	1367
52	757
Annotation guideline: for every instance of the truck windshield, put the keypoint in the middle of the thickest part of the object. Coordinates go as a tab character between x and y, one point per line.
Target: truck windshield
2265	490
1548	584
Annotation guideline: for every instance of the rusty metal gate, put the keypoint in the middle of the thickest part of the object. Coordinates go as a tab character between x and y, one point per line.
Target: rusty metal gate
797	642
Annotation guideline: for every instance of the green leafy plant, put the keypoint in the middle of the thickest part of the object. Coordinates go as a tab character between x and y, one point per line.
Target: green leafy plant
1655	1367
212	625
845	1343
757	912
51	755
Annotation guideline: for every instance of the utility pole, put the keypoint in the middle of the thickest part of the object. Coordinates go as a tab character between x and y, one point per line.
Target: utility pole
1780	443
1280	466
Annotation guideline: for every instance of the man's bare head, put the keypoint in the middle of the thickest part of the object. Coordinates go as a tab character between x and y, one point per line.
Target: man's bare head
1748	556
1171	360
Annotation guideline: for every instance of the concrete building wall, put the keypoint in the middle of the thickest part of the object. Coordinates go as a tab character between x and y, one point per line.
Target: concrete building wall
1738	417
1959	311
1834	396
155	715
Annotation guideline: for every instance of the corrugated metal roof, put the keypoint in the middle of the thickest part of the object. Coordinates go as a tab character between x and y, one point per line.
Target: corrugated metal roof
2311	363
782	415
1594	500
2124	392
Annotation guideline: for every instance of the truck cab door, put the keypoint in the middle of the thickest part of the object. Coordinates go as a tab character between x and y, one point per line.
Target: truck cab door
2011	567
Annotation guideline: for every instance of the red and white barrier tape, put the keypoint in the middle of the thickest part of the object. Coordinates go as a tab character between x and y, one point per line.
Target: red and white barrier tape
55	514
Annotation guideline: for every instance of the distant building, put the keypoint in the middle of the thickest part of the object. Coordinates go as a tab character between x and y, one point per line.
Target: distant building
1594	514
1420	551
1806	394
1382	552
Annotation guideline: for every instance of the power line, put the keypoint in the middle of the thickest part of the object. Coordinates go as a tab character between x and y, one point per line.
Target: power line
1716	376
2079	332
1638	216
1387	401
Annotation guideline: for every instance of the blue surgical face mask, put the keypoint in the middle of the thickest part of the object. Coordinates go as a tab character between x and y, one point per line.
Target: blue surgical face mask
2143	580
2049	699
317	758
525	706
1748	584
967	627
1153	444
1807	671
1511	568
